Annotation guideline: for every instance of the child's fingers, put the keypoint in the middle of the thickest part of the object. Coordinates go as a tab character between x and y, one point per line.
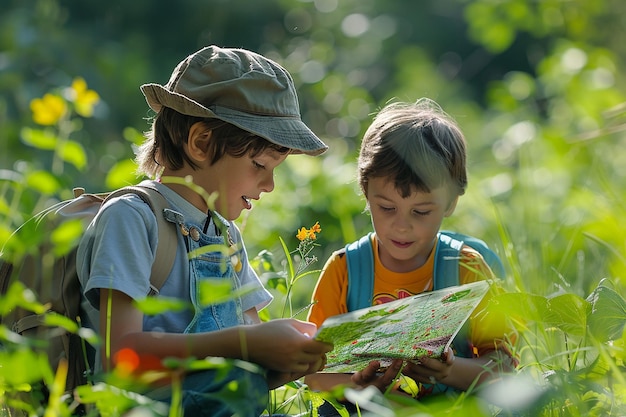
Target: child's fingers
449	357
323	362
304	327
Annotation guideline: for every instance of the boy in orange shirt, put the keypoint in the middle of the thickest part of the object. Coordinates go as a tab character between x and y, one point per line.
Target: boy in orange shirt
412	170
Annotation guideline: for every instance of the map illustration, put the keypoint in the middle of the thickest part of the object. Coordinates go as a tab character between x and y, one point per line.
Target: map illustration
408	328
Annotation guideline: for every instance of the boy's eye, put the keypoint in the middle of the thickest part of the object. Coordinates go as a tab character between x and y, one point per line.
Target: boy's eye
421	213
257	165
383	208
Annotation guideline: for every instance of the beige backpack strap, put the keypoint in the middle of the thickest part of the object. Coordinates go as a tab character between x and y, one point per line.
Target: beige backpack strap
168	235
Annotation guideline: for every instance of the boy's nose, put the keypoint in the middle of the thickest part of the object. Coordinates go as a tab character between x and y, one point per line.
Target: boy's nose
401	222
267	183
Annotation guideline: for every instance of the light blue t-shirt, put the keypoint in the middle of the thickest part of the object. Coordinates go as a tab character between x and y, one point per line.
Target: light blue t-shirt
118	249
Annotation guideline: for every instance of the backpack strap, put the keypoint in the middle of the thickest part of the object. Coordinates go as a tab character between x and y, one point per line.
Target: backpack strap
447	256
360	261
446	267
446	273
168	236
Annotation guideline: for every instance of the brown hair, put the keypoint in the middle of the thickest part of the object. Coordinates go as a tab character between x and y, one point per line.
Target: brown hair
164	144
417	146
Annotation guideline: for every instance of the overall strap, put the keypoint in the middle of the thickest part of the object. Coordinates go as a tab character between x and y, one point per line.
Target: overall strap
360	261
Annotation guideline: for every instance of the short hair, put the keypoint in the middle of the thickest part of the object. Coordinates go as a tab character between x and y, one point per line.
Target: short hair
417	146
164	144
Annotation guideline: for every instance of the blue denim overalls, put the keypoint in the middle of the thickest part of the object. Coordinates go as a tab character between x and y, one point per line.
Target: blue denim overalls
209	261
201	390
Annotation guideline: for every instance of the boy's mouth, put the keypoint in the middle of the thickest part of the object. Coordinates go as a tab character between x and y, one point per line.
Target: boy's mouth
401	244
247	202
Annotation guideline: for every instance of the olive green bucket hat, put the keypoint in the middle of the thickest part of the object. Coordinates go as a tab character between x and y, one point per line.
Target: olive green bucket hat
240	87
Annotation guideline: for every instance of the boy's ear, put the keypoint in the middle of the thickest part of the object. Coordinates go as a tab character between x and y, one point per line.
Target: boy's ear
198	141
451	207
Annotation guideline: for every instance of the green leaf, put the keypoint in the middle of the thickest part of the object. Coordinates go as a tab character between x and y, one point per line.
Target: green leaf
133	136
498	37
607	315
19	295
43	182
276	282
290	267
24	366
40	139
121	174
263	261
568	312
73	153
264	315
59	320
521	306
219	248
66	236
216	291
110	400
156	305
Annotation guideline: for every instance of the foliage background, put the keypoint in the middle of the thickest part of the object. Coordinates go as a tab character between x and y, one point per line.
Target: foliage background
538	88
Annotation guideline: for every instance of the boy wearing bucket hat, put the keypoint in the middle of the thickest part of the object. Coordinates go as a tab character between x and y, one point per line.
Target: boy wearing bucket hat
226	119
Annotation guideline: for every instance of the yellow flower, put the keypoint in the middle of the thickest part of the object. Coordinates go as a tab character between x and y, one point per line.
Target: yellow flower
83	98
303	233
48	110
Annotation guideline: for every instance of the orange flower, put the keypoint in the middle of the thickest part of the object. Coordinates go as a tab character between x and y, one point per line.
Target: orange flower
316	228
48	110
127	361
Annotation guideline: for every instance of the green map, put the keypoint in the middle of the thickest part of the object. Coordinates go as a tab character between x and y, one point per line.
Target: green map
408	328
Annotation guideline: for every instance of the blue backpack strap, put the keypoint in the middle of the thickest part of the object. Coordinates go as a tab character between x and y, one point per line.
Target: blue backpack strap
492	259
360	261
446	272
453	241
446	267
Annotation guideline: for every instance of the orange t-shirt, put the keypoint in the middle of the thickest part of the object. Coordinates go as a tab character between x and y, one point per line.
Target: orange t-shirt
329	296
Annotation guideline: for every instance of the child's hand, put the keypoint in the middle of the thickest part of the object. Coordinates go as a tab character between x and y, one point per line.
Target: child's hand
277	378
286	346
370	375
431	370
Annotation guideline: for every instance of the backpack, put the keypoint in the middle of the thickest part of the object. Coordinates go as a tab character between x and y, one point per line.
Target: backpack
48	268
